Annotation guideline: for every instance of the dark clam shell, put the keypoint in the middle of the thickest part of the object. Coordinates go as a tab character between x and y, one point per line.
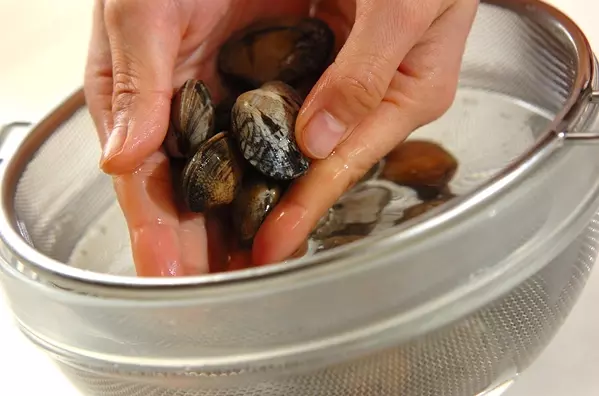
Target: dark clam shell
255	201
192	119
421	208
263	123
213	176
287	49
356	213
338	240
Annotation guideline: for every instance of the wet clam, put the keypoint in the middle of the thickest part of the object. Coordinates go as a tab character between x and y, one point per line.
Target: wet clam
263	123
255	201
192	119
422	165
339	240
355	214
213	176
289	50
421	208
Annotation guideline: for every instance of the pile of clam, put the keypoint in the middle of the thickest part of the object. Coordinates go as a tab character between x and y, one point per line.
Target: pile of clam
241	154
411	180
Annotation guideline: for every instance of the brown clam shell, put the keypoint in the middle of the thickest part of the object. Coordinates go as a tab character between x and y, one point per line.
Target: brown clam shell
287	49
192	119
422	165
213	176
255	201
421	208
339	240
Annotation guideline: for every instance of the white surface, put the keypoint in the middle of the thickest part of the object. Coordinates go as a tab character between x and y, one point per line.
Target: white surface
43	47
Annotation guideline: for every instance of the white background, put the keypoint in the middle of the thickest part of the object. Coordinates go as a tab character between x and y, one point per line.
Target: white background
43	46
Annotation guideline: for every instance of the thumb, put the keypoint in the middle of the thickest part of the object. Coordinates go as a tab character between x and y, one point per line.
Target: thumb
144	40
355	84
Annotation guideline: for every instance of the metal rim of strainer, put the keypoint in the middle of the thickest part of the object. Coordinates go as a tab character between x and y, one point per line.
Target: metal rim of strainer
58	273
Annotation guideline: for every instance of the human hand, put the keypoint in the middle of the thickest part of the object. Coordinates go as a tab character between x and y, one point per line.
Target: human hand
140	51
130	79
397	70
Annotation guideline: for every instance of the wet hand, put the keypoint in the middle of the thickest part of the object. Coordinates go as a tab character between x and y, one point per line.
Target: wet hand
396	71
139	52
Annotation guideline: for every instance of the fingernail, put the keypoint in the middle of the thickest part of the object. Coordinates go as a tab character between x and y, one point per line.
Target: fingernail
322	134
114	144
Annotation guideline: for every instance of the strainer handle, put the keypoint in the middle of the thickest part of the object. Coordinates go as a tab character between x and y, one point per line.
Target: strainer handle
6	129
585	136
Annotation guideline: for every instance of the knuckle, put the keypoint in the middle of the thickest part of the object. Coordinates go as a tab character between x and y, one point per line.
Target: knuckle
119	12
429	100
116	10
113	11
363	87
442	98
125	87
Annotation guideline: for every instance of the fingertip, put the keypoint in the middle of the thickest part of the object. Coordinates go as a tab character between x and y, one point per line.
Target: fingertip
121	163
287	219
128	147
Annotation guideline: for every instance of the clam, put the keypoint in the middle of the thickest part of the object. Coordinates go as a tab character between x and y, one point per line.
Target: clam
192	119
263	123
338	240
422	165
288	49
257	198
372	174
356	213
421	208
213	176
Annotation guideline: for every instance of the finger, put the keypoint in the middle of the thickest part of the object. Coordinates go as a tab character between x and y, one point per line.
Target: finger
404	108
161	244
144	39
98	75
354	85
434	63
304	204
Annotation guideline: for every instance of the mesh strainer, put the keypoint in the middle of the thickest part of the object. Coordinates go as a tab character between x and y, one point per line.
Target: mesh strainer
456	302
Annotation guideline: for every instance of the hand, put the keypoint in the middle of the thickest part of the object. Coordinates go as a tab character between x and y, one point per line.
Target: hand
140	51
397	71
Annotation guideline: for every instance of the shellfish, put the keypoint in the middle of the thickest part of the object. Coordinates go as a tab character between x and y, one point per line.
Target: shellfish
289	50
422	165
213	176
192	119
263	123
421	208
257	198
238	175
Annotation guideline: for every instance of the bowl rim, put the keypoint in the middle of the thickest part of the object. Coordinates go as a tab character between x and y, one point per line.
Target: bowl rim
381	245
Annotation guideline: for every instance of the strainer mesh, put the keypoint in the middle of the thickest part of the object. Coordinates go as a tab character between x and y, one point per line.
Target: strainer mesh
464	358
517	72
